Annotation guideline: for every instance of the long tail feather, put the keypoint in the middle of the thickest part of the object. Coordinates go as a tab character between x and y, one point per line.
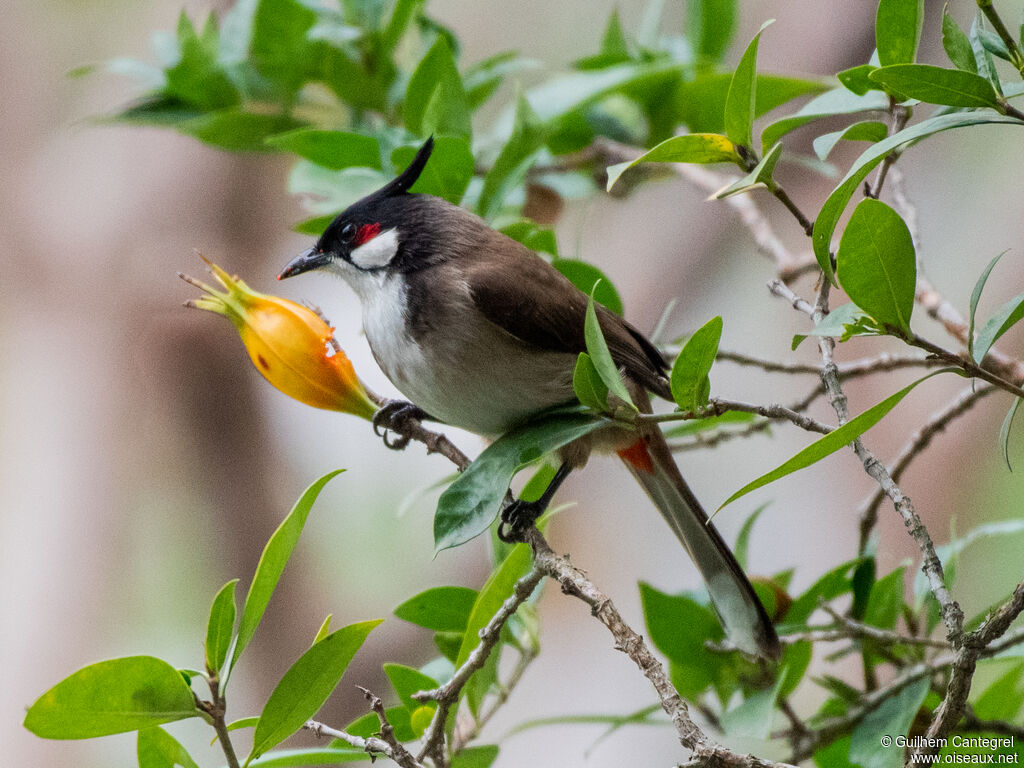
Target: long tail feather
741	613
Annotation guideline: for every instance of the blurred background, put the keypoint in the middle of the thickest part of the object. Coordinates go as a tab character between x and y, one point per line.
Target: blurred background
145	462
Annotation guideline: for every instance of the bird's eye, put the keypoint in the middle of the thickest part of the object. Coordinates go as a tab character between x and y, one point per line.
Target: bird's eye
348	232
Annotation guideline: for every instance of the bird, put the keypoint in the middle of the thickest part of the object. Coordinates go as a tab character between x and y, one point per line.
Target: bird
481	333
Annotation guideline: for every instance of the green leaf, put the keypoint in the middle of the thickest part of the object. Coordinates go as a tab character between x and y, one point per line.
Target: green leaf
494	592
739	103
534	237
700	103
442	609
1003	699
470	504
1004	432
435	101
243	722
752	718
857	80
406	681
838	101
236	130
877	265
693	426
156	748
481	756
759	176
885	603
587	384
314	226
691	148
447	174
709	27
689	379
448	643
590	280
289	758
601	356
330	149
828	587
369	725
892	718
935	85
952	550
1003	320
325	629
898	30
679	627
743	537
613	42
831	442
979	286
956	43
514	161
272	562
986	67
796	657
197	78
483	78
307	684
868	130
113	696
842	322
220	626
994	44
828	217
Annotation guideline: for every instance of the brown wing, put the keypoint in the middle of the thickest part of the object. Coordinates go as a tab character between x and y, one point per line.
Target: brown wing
530	299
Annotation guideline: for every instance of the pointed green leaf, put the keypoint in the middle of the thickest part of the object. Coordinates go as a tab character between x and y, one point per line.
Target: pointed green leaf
1008	315
613	43
325	629
700	103
893	719
1002	699
709	27
447	174
1004	432
898	30
272	562
979	286
743	537
494	592
480	756
679	627
243	722
885	601
220	626
759	176
513	162
442	609
590	280
290	758
587	384
752	718
483	78
831	442
435	101
601	356
689	378
956	43
691	148
468	507
406	681
868	130
307	684
156	748
739	103
877	265
857	80
838	101
113	696
331	149
825	223
829	586
935	85
986	67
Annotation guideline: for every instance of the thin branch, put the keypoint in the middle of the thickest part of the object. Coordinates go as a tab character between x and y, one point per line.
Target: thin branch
371	745
448	694
856	368
575	583
920	440
900	114
965	363
719	405
399	753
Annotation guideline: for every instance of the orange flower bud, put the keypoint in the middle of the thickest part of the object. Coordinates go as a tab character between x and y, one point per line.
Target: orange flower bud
288	343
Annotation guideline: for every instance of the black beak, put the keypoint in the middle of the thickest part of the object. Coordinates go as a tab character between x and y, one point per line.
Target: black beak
304	262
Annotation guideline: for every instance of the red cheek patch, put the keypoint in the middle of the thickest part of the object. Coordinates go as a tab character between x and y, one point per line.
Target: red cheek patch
366	233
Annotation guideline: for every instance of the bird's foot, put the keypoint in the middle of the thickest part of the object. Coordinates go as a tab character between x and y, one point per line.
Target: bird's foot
517	517
393	421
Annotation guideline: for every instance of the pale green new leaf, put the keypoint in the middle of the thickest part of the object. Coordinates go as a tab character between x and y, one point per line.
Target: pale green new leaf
690	148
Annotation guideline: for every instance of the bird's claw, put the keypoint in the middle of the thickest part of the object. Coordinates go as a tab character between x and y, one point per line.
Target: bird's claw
396	417
516	517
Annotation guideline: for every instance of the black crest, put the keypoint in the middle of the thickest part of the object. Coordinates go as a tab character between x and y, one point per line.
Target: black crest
404	181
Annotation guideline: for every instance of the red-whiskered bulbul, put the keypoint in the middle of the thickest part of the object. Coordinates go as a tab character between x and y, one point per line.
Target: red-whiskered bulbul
481	333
